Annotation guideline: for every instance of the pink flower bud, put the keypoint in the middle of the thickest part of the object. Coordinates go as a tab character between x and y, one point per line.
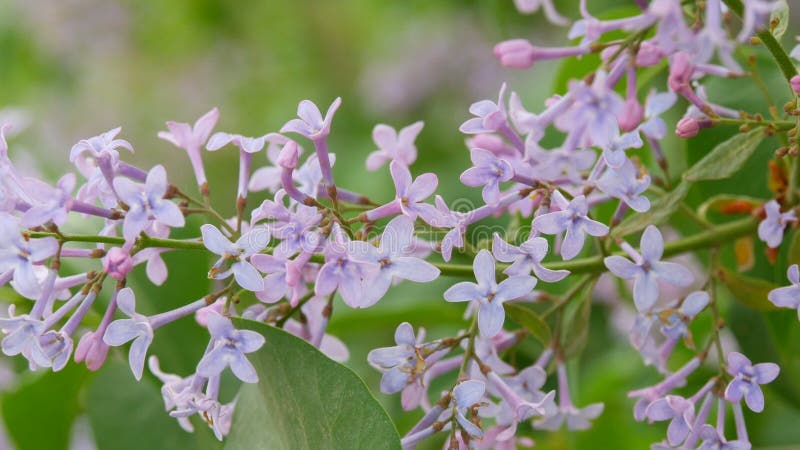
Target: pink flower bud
118	263
795	82
648	55
631	115
92	350
202	314
680	71
516	53
687	127
289	155
491	142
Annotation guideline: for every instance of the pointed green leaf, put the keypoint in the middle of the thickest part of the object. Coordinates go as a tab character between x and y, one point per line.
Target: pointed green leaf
304	400
529	320
727	157
576	324
660	210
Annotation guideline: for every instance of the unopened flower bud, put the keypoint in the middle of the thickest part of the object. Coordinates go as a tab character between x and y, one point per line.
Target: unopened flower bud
289	155
687	127
631	115
795	82
118	263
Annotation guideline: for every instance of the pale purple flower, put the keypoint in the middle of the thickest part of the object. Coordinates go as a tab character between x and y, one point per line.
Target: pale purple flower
488	171
410	194
624	184
531	6
656	104
118	263
677	322
233	256
229	348
488	294
678	410
770	230
714	38
456	221
269	176
788	296
746	380
393	145
22	337
309	175
146	202
566	411
102	146
275	284
712	440
53	205
311	123
393	258
136	329
342	272
176	391
245	144
572	217
593	114
19	254
491	116
57	348
528	256
192	139
402	364
614	152
467	395
756	15
648	269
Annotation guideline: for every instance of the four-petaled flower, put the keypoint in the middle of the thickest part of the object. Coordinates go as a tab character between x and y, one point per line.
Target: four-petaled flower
678	410
229	348
20	254
310	123
624	183
648	269
136	329
342	271
146	201
236	255
393	145
712	440
788	296
746	380
677	322
488	171
402	364
192	139
488	294
571	217
102	146
528	256
770	230
467	395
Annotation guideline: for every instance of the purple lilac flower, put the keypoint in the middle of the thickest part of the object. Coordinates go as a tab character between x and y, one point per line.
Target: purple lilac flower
531	6
747	378
342	272
275	285
233	256
410	195
19	254
22	337
403	364
393	145
625	184
678	410
229	348
175	391
566	412
491	116
269	176
648	268
788	296
144	202
677	322
572	217
53	206
656	103
137	329
467	395
713	38
247	147
770	230
393	260
526	258
192	139
488	294
488	171
311	124
712	440
614	152
756	14
593	114
102	146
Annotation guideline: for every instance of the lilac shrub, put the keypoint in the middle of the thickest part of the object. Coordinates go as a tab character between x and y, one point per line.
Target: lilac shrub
576	171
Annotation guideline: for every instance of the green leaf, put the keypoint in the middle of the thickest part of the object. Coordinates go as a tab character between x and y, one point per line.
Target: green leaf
727	157
304	400
39	413
781	14
129	415
660	210
576	324
751	292
529	320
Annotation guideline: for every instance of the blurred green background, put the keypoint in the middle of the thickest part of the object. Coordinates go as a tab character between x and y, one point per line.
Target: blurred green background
79	67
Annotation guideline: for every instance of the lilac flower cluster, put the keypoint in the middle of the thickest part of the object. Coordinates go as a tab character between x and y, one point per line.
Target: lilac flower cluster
314	240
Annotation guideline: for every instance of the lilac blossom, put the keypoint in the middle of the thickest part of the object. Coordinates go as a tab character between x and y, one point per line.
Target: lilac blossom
625	184
19	254
656	104
147	201
712	440
531	6
311	124
22	337
137	329
648	268
746	380
457	223
770	230
490	116
233	256
488	294
176	391
679	411
593	114
404	363
614	152
467	395
526	258
572	217
192	139
53	206
488	171
566	412
756	15
229	348
410	194
342	272
788	296
676	325
393	145
393	260
102	147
